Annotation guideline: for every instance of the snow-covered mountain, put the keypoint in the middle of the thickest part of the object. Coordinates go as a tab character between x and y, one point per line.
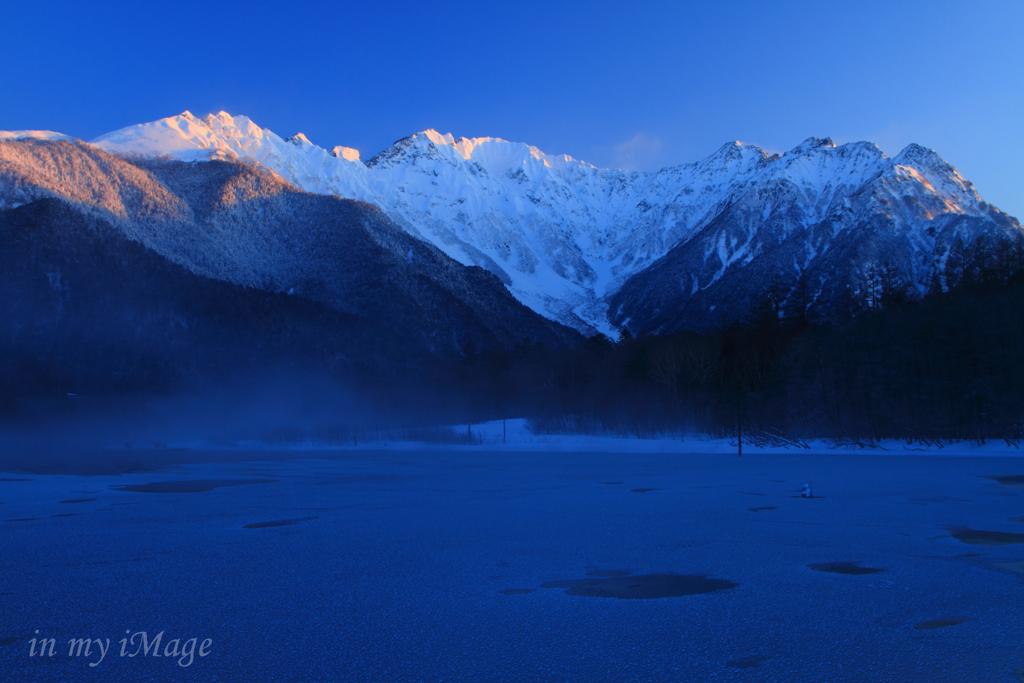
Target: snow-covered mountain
242	224
568	239
820	231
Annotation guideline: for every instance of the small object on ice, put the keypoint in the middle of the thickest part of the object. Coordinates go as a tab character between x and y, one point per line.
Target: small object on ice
806	492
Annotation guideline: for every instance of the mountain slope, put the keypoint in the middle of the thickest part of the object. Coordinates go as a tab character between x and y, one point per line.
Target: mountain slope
559	232
567	237
818	244
240	223
84	309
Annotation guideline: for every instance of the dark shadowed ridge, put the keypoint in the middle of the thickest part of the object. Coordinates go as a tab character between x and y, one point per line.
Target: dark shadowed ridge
239	223
86	309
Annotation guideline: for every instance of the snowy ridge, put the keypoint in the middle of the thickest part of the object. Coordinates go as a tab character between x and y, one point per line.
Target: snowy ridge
563	235
33	135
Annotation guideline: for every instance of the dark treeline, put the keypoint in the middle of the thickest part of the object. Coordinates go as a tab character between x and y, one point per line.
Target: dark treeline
945	366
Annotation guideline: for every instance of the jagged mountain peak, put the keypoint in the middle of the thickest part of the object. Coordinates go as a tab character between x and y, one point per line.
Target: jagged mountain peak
563	235
809	144
732	157
925	166
300	140
826	152
436	137
185	137
346	153
494	154
735	148
921	158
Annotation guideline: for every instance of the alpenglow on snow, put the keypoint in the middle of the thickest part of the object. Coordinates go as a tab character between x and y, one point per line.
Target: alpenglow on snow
577	243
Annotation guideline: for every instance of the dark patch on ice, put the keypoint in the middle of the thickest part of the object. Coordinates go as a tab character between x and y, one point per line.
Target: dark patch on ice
750	493
66	514
516	591
979	537
644	490
611	482
8	641
24	519
197	486
278	522
1015	519
11	479
747	662
939	623
609	572
643	587
765	507
1015	567
503	564
364	479
78	500
814	497
970	554
1014	480
848	568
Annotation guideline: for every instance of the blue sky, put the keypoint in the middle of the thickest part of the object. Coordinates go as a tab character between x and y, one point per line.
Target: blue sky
638	85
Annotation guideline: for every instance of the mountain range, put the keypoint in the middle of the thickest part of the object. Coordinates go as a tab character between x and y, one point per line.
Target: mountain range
153	272
688	247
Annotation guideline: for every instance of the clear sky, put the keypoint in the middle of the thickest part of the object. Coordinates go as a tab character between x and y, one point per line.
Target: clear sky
624	84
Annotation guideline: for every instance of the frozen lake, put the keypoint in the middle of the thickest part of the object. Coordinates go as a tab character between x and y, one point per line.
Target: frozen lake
484	565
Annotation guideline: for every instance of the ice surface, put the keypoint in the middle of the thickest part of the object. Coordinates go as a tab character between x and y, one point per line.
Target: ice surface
515	435
427	565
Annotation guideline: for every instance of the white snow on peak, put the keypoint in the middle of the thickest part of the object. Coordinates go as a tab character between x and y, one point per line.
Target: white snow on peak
928	168
346	153
299	140
809	144
560	233
33	135
189	138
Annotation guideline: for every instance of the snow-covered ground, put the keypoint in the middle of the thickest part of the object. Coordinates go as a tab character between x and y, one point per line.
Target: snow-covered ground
438	564
515	435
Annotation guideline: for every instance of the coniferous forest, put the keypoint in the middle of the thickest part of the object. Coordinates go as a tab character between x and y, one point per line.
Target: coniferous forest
945	366
948	365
